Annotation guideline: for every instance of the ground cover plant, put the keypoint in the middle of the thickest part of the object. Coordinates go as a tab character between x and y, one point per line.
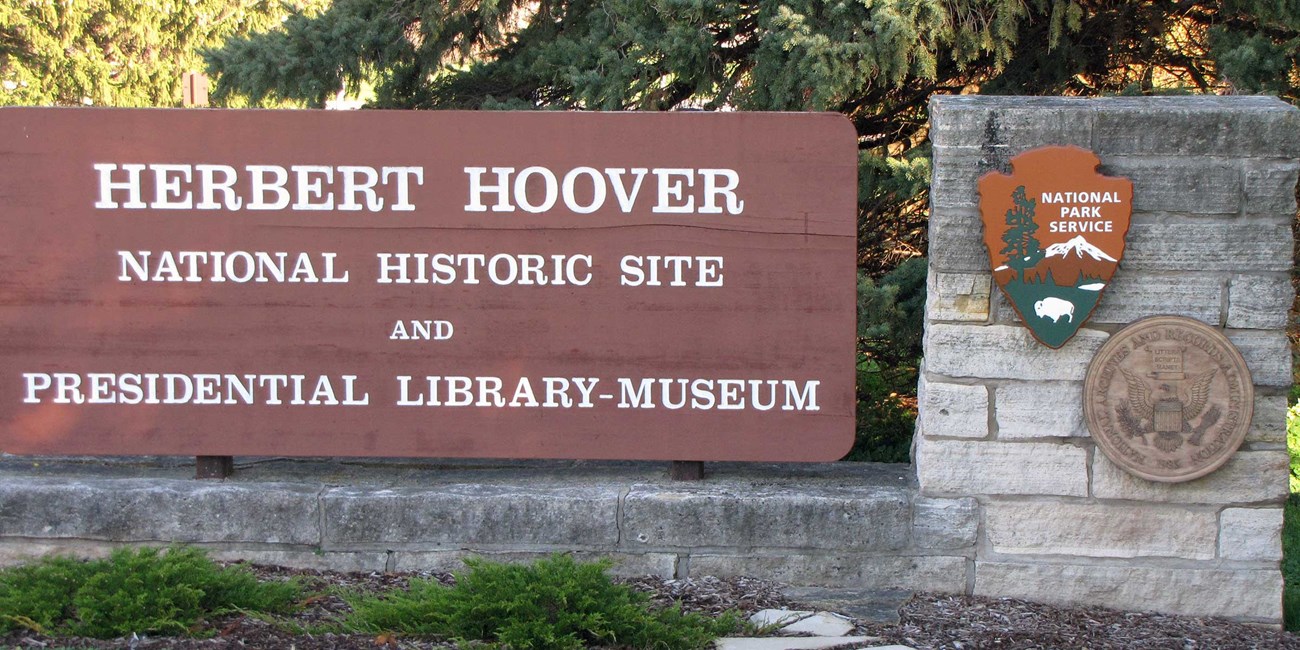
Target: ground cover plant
556	603
1291	563
180	598
133	591
1291	525
925	621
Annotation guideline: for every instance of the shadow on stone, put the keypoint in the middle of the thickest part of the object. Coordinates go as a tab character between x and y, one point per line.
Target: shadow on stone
868	605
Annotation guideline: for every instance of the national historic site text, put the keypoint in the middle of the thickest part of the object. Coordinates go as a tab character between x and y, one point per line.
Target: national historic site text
437	268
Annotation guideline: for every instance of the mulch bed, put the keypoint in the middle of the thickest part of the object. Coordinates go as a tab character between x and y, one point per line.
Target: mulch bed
929	621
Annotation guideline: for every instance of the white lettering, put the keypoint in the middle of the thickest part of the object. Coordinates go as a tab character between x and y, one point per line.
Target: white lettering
261	185
598	190
167	188
107	185
309	188
404	175
670	192
713	190
209	186
549	185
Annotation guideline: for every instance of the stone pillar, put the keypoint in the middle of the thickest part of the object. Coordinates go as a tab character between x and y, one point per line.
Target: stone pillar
1001	415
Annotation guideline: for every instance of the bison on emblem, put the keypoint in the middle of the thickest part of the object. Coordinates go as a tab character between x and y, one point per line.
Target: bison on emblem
1054	308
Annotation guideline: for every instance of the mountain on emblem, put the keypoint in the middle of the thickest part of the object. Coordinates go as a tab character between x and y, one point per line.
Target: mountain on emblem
1079	247
1055	231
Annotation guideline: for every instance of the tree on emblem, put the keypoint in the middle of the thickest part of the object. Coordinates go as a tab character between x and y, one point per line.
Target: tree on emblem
1022	249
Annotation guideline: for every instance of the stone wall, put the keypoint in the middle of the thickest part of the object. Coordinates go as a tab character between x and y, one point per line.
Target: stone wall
1001	417
840	525
1008	496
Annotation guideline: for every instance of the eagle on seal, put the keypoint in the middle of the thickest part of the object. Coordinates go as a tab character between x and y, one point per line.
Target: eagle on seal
1169	414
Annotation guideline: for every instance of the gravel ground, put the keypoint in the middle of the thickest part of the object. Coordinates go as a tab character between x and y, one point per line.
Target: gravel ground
928	621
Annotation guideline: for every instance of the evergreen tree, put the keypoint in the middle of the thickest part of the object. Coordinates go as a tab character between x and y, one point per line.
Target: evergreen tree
877	62
119	52
1022	248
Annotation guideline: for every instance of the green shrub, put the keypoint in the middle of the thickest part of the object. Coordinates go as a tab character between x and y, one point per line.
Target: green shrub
1293	444
38	596
1291	522
1291	563
555	603
891	314
885	418
140	591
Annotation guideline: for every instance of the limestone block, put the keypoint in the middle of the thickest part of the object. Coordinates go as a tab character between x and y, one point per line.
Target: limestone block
1270	189
742	514
162	510
1259	301
965	467
1181	185
1134	295
1006	352
1186	245
1197	126
627	565
25	551
1039	409
1268	423
1028	121
919	573
1249	477
946	524
1100	530
954	183
1267	355
1252	534
347	561
471	514
953	410
956	242
1244	594
957	296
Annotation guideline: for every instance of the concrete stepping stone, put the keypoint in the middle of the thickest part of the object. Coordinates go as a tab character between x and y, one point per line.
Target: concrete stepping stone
778	617
792	642
820	624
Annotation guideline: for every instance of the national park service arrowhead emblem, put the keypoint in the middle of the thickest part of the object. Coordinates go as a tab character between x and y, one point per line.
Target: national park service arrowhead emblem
1055	231
1168	399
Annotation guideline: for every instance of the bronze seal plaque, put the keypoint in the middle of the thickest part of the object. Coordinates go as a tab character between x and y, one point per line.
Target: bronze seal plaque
1168	399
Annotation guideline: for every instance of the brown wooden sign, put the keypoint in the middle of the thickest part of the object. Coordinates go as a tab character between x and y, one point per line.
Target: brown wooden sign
1055	231
545	285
